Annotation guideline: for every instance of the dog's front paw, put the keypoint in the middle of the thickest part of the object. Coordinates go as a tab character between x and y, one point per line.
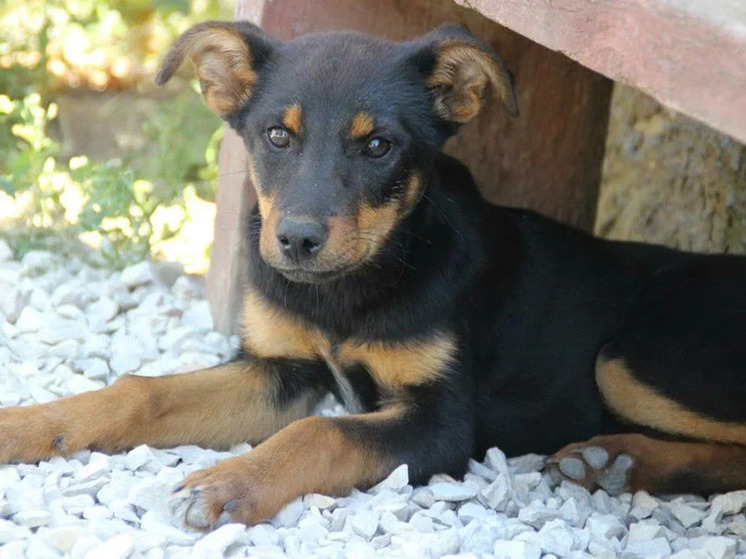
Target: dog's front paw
231	491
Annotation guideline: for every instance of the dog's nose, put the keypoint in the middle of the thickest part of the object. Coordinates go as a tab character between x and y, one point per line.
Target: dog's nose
300	238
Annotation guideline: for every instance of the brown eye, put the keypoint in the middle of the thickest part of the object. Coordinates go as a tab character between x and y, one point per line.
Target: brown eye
278	137
377	147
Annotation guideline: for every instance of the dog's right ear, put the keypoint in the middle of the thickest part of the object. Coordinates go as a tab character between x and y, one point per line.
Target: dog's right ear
227	56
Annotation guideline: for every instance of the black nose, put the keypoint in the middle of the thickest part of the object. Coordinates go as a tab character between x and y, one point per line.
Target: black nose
300	238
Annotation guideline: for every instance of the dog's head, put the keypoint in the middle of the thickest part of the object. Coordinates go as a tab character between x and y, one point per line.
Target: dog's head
342	129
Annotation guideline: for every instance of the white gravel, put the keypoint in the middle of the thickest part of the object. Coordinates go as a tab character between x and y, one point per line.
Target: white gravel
66	328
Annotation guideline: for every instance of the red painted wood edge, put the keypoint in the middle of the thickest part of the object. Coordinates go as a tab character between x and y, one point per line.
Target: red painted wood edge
688	54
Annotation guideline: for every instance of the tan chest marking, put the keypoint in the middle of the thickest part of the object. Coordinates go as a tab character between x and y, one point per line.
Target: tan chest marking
641	404
395	365
269	331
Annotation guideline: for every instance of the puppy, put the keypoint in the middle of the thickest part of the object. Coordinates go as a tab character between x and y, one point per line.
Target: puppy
445	324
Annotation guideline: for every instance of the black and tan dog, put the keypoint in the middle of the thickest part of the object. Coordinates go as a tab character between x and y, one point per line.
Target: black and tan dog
445	324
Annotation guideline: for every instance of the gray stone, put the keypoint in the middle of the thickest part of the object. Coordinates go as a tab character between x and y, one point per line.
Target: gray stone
10	531
526	464
555	537
479	469
263	534
30	320
365	523
572	468
198	316
78	384
452	492
32	518
503	549
688	516
138	457
321	502
137	275
104	309
470	511
730	503
605	526
396	480
116	547
715	547
289	514
423	497
497	495
63	538
643	532
657	547
215	543
595	456
536	514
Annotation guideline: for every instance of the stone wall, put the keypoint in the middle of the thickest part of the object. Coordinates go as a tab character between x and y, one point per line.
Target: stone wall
670	179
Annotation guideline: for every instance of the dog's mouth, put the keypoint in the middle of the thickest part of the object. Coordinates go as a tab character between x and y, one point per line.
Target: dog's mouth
299	275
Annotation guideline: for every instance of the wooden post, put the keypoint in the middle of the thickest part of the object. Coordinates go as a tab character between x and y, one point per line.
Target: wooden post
548	159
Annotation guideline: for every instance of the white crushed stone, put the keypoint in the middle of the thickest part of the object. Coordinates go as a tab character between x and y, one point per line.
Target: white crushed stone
66	328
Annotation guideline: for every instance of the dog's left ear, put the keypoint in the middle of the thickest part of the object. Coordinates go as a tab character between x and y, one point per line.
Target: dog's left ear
228	56
462	71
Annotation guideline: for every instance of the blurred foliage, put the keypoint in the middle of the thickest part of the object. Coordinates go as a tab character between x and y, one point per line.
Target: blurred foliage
48	48
94	44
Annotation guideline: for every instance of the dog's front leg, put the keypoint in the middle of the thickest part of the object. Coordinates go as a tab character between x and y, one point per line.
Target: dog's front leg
244	400
327	455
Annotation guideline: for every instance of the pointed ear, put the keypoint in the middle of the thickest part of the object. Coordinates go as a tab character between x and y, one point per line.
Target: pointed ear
227	56
463	74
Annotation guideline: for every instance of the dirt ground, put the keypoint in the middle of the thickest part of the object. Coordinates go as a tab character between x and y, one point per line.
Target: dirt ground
670	179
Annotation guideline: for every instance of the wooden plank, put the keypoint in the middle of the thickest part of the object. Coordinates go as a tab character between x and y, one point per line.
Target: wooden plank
688	54
234	199
548	159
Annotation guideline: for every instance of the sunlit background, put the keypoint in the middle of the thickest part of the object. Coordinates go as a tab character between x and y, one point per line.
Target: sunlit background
95	160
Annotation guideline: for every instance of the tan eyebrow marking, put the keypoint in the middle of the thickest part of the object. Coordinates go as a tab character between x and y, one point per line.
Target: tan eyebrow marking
291	119
362	125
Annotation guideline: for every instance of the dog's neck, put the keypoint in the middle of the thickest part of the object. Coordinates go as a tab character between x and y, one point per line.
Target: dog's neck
417	253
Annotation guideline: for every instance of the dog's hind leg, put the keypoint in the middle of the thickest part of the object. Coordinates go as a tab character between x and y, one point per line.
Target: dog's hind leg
244	400
631	462
675	369
709	455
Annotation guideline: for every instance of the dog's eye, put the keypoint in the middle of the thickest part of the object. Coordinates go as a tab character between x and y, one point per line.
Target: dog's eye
377	147
278	137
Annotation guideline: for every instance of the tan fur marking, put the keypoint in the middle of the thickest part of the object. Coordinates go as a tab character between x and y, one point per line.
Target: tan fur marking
266	203
291	119
414	188
270	218
400	364
362	125
253	176
463	73
374	226
269	331
641	404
